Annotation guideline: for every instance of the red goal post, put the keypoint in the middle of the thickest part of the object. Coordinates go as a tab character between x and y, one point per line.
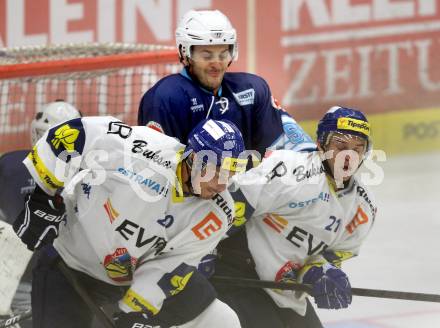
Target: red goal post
98	79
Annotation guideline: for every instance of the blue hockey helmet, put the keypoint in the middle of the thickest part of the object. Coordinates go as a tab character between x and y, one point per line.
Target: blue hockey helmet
346	121
222	139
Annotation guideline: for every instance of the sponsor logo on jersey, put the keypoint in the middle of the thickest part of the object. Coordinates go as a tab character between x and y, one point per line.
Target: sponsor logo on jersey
111	212
223	204
119	265
206	227
140	147
195	107
362	192
67	137
128	230
278	171
323	196
245	97
306	240
155	126
301	173
139	304
49	180
174	282
359	218
275	221
149	183
345	123
119	128
288	272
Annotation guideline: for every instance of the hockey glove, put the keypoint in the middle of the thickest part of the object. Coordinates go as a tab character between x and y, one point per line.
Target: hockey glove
331	288
131	319
38	223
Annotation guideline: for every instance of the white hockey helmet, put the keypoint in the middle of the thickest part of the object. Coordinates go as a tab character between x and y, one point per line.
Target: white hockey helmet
205	27
51	114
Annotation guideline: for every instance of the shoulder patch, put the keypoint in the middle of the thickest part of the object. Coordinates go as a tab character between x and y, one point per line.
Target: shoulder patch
69	137
155	126
246	97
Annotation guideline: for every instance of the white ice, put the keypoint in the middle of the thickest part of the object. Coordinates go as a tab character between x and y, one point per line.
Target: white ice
402	252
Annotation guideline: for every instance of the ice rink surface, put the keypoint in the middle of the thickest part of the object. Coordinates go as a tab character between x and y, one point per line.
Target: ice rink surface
401	253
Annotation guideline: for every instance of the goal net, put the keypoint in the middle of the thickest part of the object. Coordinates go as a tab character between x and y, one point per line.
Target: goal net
98	79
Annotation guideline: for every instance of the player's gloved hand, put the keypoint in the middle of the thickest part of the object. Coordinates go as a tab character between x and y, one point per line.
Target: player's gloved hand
331	287
38	223
131	319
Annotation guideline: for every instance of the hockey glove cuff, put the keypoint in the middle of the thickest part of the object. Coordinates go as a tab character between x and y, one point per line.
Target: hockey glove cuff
331	287
38	223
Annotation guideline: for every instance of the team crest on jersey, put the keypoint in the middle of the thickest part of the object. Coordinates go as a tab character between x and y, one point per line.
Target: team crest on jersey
223	102
175	281
120	265
288	272
68	137
155	126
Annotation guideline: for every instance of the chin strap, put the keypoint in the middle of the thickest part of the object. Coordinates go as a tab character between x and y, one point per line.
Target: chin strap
189	163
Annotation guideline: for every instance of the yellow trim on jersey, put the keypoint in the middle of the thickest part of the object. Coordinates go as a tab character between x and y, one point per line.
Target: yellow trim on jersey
138	303
177	191
46	177
346	123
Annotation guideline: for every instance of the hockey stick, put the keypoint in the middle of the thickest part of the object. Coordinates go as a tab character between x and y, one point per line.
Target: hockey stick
254	283
73	280
16	319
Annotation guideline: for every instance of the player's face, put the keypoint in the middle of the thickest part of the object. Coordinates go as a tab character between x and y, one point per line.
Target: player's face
209	65
345	152
210	180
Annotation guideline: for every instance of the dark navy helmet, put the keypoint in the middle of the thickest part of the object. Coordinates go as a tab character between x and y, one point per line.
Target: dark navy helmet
343	120
222	140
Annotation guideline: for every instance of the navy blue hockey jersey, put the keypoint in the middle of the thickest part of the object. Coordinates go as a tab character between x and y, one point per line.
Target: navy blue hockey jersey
176	104
15	182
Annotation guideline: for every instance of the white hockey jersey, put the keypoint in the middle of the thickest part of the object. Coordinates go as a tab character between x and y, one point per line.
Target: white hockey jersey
127	220
298	217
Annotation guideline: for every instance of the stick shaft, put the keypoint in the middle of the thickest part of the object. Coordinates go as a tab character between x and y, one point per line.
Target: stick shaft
379	293
73	280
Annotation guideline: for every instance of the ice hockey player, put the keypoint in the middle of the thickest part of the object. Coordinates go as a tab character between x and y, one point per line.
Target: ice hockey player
16	183
308	213
130	225
207	46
